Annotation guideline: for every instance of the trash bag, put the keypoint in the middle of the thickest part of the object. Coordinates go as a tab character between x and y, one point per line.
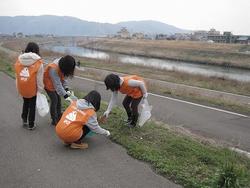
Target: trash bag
42	104
145	113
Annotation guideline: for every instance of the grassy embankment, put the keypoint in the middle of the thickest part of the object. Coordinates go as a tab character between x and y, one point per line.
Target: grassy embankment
192	163
5	64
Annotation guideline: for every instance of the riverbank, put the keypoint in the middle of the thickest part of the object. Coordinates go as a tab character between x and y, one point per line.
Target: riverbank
228	55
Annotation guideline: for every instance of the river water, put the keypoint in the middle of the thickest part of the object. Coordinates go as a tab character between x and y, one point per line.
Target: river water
182	66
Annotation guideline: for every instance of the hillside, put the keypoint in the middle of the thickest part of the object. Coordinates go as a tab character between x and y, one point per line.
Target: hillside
70	26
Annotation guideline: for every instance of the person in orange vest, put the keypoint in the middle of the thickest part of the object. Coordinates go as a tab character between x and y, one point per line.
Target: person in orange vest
29	81
78	119
56	85
134	88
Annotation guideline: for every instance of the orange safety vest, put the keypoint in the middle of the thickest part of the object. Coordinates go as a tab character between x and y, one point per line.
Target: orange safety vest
26	78
48	84
69	128
134	92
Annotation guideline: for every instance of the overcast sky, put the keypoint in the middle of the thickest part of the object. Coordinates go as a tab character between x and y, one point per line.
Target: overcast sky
223	15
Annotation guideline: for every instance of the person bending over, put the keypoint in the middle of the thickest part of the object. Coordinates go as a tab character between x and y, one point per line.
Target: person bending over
133	87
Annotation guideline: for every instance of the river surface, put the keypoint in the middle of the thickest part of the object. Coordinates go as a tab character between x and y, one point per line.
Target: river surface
182	66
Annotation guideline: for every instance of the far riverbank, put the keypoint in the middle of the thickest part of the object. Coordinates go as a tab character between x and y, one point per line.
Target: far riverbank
227	55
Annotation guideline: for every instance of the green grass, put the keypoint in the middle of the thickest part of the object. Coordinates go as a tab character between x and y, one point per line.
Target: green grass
5	66
177	157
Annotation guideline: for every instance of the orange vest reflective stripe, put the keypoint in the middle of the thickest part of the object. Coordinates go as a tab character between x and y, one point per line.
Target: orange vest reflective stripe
48	84
26	78
134	92
69	128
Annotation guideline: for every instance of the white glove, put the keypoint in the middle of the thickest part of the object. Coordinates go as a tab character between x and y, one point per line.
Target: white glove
107	133
69	99
69	93
145	95
106	114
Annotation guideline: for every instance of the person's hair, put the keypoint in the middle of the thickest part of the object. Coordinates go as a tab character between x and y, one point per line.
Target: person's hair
94	98
67	65
112	82
32	47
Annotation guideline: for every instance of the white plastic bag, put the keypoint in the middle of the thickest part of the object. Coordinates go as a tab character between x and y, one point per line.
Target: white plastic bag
145	112
42	104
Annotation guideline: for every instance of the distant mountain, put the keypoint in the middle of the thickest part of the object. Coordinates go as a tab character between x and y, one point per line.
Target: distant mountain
70	26
151	27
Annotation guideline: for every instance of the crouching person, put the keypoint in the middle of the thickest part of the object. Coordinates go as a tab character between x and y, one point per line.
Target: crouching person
80	118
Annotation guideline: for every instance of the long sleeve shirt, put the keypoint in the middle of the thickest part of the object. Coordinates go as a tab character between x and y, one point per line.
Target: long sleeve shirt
59	85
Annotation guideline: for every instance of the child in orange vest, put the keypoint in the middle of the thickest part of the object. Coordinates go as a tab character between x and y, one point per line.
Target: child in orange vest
78	119
29	80
56	85
134	88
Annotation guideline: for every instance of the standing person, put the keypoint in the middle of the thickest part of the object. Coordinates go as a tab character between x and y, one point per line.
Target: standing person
56	85
134	88
78	119
29	80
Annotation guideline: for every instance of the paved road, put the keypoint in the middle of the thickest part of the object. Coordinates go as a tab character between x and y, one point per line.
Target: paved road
38	159
229	128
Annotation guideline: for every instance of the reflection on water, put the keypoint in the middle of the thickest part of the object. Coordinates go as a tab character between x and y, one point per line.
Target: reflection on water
83	52
193	68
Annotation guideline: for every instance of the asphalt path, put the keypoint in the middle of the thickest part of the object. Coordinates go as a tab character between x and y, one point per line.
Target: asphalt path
222	126
38	158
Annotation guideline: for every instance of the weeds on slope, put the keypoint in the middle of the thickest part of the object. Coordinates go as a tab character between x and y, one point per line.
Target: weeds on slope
184	160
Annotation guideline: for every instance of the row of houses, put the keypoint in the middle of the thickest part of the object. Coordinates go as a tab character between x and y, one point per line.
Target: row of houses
215	36
211	36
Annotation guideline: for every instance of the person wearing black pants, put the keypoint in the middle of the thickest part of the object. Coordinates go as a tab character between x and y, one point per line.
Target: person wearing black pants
29	111
55	106
29	81
135	89
56	85
131	106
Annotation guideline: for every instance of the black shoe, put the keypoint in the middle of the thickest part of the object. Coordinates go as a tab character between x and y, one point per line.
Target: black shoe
31	127
127	121
131	125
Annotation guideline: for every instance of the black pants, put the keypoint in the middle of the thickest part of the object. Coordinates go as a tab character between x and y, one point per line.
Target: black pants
85	130
55	106
131	106
29	110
